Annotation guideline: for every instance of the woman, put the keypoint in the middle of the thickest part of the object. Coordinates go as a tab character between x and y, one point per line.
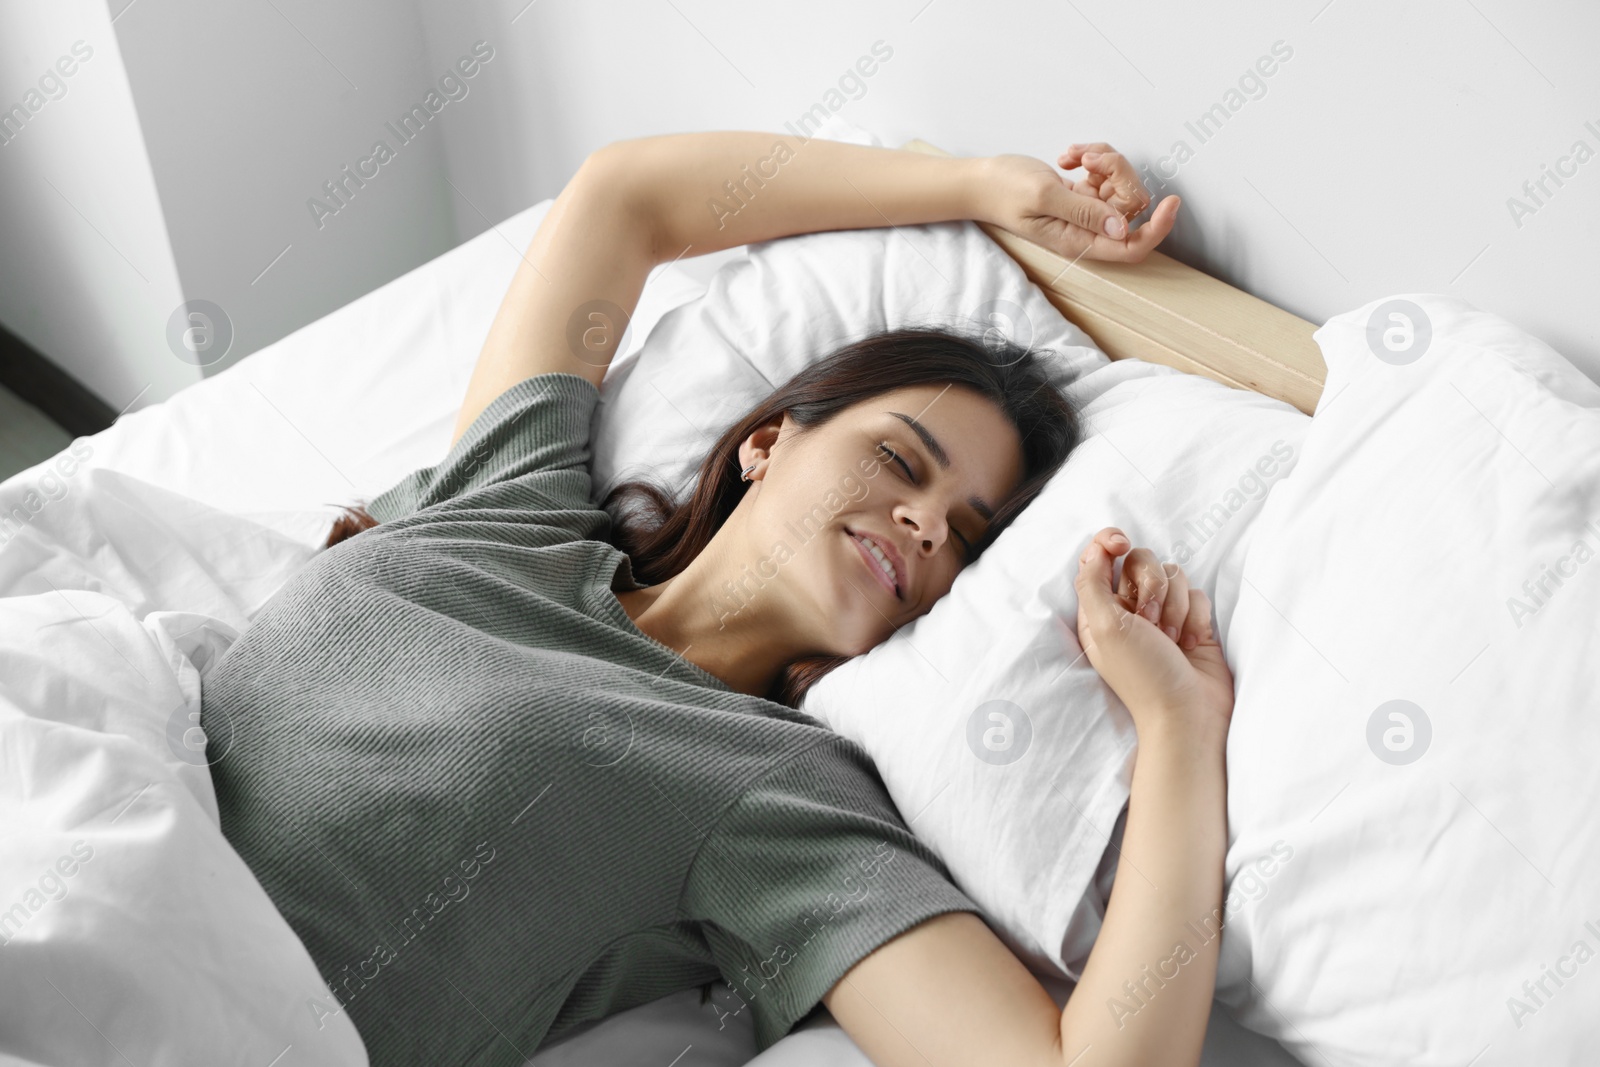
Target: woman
501	789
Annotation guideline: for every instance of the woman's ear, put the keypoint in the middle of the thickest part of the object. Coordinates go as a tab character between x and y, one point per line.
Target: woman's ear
758	446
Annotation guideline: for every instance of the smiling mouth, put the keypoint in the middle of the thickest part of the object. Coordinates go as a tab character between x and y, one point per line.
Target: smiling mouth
875	562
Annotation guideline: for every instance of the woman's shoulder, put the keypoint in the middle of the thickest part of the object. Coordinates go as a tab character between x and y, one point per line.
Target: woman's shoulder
534	438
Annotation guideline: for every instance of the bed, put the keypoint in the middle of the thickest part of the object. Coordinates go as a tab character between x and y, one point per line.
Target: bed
131	560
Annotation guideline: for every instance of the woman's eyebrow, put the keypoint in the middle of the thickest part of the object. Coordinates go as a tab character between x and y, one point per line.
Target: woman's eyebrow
942	458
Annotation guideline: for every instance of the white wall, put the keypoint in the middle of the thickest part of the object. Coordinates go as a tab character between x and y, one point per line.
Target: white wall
86	273
1378	158
248	109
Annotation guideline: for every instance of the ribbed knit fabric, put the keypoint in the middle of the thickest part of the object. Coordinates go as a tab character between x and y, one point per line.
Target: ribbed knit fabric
494	810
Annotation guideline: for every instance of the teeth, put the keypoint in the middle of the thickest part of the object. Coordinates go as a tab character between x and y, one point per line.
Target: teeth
877	554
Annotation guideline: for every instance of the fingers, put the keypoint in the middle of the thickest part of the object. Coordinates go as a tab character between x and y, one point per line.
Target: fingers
1197	627
1091	184
1119	183
1175	606
1144	239
1089	212
1112	542
1110	174
1112	179
1144	584
1072	158
1095	566
1157	592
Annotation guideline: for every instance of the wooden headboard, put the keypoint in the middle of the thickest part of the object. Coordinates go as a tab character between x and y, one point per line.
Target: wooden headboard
1164	312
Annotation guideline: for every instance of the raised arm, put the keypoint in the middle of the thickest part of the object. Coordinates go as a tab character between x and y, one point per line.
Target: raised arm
635	204
948	992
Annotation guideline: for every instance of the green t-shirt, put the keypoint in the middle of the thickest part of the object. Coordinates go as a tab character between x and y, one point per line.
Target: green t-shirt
494	809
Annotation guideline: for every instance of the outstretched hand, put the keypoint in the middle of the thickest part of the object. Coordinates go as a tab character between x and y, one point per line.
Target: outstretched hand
1088	219
1150	637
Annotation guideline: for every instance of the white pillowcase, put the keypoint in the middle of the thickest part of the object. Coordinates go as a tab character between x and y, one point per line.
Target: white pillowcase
1023	838
1435	894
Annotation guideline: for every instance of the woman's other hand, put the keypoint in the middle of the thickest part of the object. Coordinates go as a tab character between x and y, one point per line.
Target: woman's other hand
1087	219
1150	637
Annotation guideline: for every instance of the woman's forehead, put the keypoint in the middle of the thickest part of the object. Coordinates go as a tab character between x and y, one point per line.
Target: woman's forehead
932	403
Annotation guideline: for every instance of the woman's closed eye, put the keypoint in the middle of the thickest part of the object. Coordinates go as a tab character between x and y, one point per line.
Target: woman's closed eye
895	457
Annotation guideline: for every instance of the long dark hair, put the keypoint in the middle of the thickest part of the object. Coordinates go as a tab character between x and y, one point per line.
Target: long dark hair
663	536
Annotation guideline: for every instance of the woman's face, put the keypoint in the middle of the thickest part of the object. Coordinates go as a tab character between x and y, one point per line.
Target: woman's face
916	472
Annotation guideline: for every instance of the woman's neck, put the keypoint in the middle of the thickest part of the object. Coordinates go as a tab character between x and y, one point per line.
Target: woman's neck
737	647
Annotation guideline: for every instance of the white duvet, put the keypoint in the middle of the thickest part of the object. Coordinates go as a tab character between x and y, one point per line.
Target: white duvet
130	931
1417	722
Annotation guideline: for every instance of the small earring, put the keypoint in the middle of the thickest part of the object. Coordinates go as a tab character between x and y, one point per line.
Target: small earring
744	475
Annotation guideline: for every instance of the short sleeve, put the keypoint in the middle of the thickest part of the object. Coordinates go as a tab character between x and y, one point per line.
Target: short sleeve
809	871
527	451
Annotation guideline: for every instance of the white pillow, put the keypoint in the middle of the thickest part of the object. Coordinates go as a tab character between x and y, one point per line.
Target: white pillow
1023	838
1429	880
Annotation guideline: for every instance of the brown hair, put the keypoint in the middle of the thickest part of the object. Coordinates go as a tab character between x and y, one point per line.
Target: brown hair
662	536
353	521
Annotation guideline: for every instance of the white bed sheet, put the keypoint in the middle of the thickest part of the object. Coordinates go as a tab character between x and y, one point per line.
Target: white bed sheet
346	406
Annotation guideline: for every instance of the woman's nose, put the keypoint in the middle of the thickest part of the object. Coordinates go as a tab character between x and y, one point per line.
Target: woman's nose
923	529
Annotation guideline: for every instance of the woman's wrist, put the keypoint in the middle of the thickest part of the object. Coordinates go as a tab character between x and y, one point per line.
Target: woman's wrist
987	195
976	188
1190	730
